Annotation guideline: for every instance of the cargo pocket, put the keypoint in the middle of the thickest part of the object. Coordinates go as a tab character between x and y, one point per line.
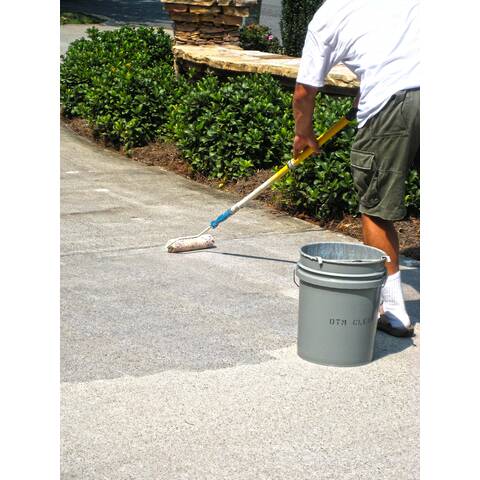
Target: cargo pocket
365	177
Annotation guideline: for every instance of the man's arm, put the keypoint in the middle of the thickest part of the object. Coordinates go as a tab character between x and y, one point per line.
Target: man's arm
303	106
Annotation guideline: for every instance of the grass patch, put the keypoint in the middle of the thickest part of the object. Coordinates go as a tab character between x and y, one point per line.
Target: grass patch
77	18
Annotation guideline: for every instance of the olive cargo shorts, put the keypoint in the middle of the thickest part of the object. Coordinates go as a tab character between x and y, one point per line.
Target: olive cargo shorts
382	154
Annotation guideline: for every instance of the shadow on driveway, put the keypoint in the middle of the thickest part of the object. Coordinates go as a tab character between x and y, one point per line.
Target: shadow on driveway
387	345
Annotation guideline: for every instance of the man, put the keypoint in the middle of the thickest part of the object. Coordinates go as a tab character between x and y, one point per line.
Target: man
379	41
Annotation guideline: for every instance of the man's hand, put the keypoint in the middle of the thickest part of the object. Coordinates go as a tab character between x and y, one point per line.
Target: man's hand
300	143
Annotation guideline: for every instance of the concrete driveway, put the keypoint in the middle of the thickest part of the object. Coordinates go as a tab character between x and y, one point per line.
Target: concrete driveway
184	366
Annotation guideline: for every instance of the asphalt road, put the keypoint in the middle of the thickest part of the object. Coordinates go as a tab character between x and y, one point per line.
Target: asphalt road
152	12
185	366
271	14
116	12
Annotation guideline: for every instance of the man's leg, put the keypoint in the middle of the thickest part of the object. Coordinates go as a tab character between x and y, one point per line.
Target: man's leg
380	158
382	234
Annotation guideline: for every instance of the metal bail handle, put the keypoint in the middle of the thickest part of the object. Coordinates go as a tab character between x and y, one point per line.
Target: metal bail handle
320	259
313	259
295	277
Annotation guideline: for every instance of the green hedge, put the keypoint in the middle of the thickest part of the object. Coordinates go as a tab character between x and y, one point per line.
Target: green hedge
230	129
122	82
296	15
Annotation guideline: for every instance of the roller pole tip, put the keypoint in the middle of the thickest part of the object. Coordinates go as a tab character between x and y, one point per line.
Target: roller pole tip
188	244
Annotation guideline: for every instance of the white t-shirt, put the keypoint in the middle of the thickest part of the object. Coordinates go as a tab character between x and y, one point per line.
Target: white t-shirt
378	40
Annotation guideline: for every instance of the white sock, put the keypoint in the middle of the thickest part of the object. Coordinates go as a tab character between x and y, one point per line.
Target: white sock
393	303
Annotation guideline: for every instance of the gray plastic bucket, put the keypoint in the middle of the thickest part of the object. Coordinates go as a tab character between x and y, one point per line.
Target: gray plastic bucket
340	285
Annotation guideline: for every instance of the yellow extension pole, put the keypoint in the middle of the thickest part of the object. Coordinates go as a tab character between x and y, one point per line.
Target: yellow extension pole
294	162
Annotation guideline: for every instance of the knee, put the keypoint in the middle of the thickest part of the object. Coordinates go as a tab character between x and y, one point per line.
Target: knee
378	221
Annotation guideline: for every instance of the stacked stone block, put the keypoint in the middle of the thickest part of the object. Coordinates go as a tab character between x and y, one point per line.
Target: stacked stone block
203	22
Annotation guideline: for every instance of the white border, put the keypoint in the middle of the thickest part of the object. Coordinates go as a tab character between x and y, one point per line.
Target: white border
30	240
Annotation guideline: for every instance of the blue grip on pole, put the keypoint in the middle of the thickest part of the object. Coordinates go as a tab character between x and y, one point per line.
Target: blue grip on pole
221	218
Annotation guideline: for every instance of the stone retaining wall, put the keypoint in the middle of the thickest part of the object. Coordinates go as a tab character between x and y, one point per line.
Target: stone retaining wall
228	60
207	22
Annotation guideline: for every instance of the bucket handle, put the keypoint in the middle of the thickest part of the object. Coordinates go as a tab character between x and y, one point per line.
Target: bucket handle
313	259
320	259
295	277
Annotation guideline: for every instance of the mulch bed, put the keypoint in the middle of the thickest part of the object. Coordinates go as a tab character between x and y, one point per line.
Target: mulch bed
166	155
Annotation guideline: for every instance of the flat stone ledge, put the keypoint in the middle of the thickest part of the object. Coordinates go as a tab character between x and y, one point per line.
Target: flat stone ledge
340	80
